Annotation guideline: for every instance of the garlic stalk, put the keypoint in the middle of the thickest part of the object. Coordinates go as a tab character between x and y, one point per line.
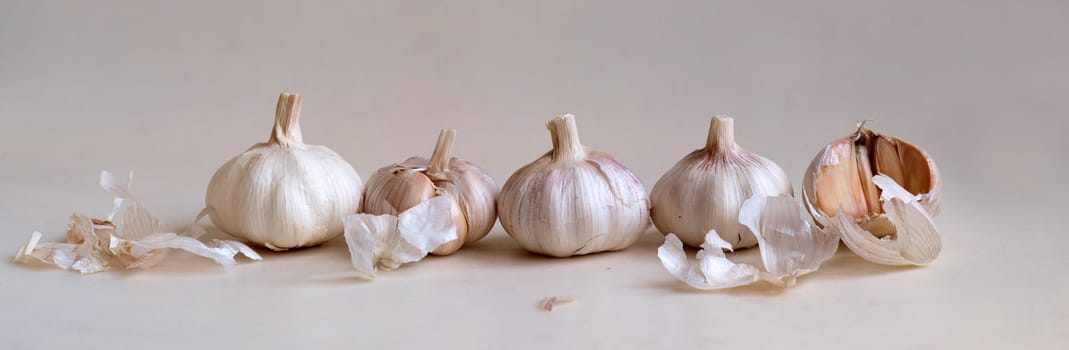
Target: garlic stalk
385	242
573	200
846	188
130	237
284	194
790	247
705	190
396	188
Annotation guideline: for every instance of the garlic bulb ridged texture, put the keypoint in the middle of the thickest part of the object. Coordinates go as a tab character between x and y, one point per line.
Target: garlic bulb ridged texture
398	187
840	176
284	194
706	189
573	200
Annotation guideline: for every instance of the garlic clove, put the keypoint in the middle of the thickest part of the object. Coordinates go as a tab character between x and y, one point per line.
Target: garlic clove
705	190
915	240
790	246
573	200
396	188
385	242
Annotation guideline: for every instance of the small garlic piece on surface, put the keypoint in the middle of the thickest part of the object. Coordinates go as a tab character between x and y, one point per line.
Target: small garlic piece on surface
705	190
848	181
284	194
915	241
398	187
384	242
573	200
790	246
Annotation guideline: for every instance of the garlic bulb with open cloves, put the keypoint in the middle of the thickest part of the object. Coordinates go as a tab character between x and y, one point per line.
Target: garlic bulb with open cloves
880	192
573	200
705	190
284	194
398	187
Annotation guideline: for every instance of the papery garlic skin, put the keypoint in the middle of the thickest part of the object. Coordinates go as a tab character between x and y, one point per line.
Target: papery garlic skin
915	241
705	190
396	188
790	247
840	178
385	242
573	200
284	194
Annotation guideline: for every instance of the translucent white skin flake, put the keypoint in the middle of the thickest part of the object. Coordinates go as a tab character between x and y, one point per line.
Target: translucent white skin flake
916	240
385	242
790	246
130	237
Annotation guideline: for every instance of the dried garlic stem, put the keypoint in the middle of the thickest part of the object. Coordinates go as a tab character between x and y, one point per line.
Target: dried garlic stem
287	130
565	135
721	135
439	162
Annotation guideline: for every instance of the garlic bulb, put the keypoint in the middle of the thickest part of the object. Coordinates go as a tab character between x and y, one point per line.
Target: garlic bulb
573	200
284	194
705	190
881	186
398	187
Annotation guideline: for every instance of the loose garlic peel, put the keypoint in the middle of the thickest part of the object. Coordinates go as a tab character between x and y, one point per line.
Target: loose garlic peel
705	190
573	200
130	237
394	189
790	247
915	240
848	182
284	194
385	242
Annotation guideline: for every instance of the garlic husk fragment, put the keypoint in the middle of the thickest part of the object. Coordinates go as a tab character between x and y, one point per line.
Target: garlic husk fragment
398	187
915	241
385	242
131	237
573	200
705	190
284	194
840	178
790	246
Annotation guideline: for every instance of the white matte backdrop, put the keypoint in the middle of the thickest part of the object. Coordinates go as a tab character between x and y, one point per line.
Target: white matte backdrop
173	89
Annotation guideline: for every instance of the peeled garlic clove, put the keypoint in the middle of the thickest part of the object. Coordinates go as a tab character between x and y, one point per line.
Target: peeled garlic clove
398	187
573	200
915	240
385	242
284	194
790	247
705	190
844	186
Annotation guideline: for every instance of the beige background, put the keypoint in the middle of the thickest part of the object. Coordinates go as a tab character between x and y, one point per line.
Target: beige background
173	89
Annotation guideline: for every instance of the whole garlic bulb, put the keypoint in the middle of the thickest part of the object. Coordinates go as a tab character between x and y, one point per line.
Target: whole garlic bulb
573	200
398	187
706	189
841	176
284	194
